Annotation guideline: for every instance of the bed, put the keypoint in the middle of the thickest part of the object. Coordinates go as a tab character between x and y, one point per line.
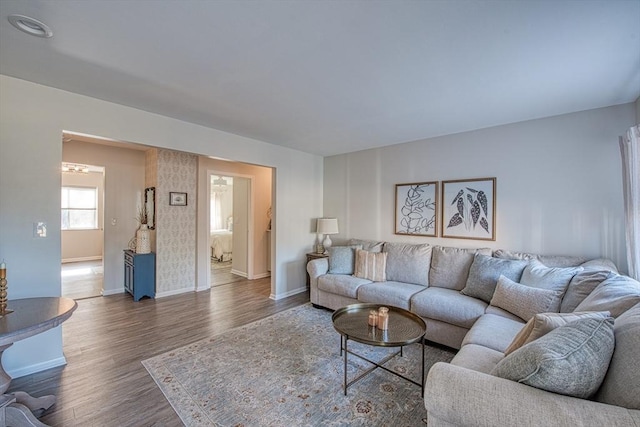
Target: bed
221	244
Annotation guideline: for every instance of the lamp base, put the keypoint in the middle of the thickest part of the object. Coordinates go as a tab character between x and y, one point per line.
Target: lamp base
326	243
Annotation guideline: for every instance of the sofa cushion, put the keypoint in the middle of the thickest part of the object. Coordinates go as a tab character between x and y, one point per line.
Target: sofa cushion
370	265
408	263
368	245
621	385
450	266
539	275
397	294
581	286
600	264
543	323
524	301
571	360
548	260
500	312
617	294
494	332
342	259
448	306
341	284
484	274
478	358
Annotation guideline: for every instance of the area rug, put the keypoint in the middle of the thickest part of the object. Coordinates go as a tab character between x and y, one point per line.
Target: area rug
286	370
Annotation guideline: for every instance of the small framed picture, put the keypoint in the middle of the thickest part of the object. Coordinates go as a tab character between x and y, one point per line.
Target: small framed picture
178	199
416	207
469	209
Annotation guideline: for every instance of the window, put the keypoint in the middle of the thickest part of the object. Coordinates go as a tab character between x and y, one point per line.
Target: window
79	208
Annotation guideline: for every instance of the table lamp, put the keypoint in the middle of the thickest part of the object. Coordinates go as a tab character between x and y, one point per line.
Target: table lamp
327	226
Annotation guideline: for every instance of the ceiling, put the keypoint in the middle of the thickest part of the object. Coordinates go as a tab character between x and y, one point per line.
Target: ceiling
329	77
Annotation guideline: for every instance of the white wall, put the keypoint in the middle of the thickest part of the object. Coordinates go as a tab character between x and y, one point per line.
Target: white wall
559	188
32	119
78	245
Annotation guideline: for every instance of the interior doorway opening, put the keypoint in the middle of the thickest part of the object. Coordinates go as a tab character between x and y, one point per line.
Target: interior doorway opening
82	230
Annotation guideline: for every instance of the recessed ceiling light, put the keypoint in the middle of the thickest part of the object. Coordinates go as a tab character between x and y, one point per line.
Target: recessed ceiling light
30	26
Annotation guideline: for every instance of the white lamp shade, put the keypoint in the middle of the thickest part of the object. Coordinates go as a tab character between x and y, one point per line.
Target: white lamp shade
327	226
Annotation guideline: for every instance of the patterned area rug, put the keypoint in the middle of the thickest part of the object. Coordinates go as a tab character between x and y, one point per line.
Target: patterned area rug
286	370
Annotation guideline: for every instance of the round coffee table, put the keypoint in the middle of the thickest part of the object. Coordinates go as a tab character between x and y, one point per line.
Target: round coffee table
405	328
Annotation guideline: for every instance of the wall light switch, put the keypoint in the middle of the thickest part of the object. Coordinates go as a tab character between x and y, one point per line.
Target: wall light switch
40	229
114	221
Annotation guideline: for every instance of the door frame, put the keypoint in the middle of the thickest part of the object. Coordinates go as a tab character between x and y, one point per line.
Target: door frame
207	228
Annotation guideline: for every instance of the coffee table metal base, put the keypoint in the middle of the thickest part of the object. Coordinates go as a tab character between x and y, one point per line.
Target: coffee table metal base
344	339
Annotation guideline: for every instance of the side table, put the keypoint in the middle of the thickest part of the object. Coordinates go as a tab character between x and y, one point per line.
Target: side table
310	256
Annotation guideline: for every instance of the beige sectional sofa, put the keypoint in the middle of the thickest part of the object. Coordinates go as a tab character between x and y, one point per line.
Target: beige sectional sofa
479	301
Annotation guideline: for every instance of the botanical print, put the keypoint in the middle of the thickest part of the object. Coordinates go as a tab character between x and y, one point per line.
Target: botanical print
416	207
468	209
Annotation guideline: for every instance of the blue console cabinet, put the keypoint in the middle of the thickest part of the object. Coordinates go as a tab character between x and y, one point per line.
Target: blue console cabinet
140	274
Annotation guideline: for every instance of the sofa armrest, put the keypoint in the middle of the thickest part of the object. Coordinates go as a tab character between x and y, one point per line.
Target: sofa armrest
316	268
461	396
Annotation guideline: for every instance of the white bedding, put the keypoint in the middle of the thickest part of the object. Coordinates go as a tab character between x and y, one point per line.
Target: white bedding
221	244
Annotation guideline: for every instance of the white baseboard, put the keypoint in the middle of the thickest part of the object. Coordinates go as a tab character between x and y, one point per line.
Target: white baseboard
239	273
38	367
261	275
87	258
288	294
175	292
107	292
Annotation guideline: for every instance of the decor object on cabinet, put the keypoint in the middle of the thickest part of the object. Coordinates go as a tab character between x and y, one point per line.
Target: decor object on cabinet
327	226
143	235
469	209
416	209
177	199
140	274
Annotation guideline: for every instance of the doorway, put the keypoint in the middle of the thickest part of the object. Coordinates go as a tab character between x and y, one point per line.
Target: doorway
229	228
82	230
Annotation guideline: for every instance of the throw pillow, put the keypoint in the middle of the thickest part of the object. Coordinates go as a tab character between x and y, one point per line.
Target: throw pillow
342	259
524	301
572	359
622	381
371	265
539	275
408	263
581	286
450	266
484	274
617	294
543	323
367	245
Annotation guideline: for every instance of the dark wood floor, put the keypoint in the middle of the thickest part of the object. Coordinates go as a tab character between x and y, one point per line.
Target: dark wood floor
104	383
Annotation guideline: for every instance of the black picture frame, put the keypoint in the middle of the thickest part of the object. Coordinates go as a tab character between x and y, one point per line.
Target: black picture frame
177	199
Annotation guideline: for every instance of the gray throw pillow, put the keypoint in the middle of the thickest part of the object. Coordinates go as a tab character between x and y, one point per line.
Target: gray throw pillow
617	294
581	286
484	274
342	259
524	301
571	360
367	245
408	263
539	275
621	385
450	266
